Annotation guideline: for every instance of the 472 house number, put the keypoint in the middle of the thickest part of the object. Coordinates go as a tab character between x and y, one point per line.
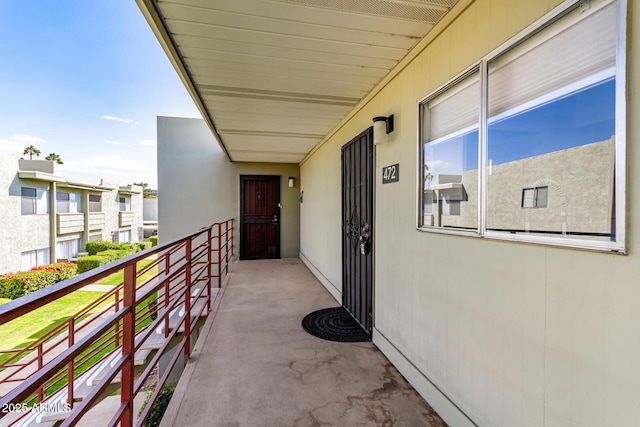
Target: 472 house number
391	173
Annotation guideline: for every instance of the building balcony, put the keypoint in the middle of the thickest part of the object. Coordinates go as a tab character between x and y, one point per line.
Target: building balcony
68	223
126	218
96	221
250	351
255	354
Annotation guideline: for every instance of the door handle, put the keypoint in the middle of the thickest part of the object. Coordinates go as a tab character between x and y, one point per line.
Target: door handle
275	219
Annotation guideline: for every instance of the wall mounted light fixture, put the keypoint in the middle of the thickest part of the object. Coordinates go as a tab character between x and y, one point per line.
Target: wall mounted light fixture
292	182
381	127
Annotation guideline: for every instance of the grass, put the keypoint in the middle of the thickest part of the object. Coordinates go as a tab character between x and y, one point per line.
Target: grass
117	278
3	300
26	329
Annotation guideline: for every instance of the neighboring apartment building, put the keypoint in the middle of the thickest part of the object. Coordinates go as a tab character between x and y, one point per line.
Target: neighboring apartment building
46	218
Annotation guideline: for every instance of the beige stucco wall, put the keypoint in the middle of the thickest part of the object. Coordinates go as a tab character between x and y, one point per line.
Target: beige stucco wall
511	334
198	186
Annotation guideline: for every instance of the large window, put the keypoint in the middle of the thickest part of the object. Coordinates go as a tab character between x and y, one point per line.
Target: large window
68	249
34	201
125	203
34	258
67	202
533	150
95	203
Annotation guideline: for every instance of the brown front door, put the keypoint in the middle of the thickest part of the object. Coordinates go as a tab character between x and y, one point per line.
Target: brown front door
357	222
259	217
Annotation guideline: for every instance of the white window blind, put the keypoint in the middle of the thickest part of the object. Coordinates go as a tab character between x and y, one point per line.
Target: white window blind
554	58
455	109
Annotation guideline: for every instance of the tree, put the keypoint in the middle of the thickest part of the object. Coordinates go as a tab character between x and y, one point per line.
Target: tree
55	157
146	191
31	150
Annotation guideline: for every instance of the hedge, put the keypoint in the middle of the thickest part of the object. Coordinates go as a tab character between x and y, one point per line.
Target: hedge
94	247
153	240
90	262
143	245
15	285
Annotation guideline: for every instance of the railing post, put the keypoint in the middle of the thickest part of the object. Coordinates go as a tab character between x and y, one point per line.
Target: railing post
70	366
219	255
128	344
187	303
167	261
226	247
117	325
40	365
209	260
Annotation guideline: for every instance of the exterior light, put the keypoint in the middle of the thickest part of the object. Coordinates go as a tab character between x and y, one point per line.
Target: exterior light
292	182
381	127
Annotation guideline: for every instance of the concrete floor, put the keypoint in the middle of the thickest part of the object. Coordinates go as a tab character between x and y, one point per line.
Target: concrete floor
254	365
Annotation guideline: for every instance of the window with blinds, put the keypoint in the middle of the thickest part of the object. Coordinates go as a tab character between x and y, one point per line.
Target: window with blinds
95	203
450	154
539	123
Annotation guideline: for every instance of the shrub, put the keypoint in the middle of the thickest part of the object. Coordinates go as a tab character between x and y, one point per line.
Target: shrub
11	286
159	406
15	285
90	262
96	246
112	254
153	240
143	245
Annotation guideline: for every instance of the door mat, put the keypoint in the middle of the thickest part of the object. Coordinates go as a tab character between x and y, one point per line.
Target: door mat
334	324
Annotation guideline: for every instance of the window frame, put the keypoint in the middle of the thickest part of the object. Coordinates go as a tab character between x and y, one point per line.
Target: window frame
619	73
40	193
93	203
127	203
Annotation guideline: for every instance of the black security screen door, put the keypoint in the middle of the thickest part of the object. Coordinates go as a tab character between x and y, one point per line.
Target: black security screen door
259	217
357	220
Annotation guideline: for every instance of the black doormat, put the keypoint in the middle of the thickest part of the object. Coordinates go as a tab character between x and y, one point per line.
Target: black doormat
334	324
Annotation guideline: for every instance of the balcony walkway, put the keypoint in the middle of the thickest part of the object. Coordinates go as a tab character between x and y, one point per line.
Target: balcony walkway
254	365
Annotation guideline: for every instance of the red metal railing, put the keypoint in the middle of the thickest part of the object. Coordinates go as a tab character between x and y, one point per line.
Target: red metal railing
55	368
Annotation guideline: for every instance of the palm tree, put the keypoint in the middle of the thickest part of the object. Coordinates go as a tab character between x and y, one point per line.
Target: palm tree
31	150
55	157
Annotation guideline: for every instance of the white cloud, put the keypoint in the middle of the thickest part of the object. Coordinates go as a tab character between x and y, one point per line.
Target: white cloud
28	139
114	168
438	164
114	142
11	147
17	143
147	142
117	119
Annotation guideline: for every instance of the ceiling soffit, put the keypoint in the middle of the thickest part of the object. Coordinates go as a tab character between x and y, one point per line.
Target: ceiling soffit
273	77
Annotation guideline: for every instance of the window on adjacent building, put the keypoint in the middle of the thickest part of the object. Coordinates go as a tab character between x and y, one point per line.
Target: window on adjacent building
34	201
125	203
124	236
535	197
68	249
95	203
547	118
34	258
67	202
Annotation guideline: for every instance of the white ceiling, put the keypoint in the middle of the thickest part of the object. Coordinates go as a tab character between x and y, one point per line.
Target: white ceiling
273	77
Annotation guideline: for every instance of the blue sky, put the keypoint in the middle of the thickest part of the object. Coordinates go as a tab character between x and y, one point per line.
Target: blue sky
579	118
86	80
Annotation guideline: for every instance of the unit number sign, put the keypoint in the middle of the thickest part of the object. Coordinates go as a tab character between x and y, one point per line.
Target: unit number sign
391	173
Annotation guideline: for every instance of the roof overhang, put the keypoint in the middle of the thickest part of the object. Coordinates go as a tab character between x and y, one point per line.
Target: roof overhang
273	78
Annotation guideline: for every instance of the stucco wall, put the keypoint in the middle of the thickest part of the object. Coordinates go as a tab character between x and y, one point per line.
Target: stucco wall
491	332
199	186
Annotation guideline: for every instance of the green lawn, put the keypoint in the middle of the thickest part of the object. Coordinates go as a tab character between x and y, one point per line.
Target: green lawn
26	329
117	278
